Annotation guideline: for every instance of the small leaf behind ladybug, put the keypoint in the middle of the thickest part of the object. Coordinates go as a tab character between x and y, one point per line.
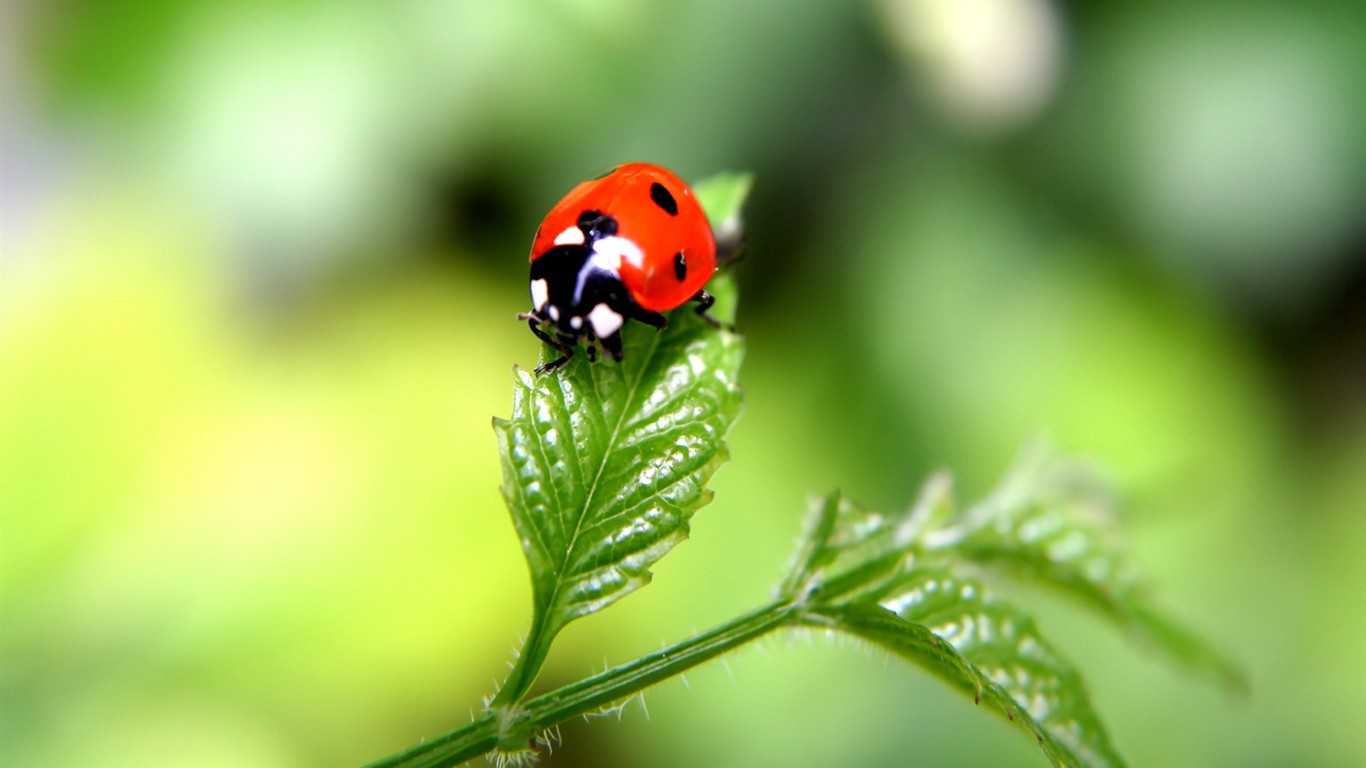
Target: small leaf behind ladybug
722	196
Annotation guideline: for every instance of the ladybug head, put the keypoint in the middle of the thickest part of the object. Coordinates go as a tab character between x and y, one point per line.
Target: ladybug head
575	289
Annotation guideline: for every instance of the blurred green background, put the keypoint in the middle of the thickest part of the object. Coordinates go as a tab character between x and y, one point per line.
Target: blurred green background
259	271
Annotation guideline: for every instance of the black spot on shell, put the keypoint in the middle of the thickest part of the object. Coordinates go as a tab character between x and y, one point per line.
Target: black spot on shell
663	199
680	266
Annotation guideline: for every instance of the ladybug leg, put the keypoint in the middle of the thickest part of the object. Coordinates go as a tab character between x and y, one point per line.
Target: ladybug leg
612	346
567	351
556	364
704	301
535	324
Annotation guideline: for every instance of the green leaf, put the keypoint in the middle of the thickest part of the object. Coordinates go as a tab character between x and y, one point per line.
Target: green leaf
850	552
990	651
912	583
872	576
814	551
1053	522
1031	681
604	463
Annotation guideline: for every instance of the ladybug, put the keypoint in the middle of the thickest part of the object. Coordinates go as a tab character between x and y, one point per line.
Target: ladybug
628	245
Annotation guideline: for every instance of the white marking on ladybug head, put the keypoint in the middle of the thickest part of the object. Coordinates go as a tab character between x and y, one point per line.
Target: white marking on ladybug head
576	322
608	253
570	236
540	294
554	313
605	321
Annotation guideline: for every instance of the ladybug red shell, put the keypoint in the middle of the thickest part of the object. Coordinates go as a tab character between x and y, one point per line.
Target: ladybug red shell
629	244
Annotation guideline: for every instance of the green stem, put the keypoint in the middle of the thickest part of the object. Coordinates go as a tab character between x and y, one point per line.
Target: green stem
458	746
528	664
587	696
